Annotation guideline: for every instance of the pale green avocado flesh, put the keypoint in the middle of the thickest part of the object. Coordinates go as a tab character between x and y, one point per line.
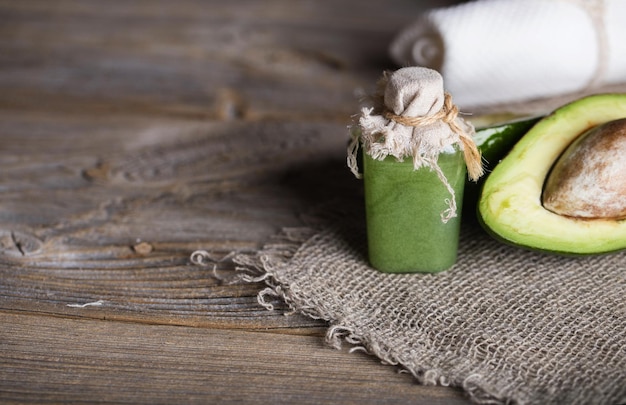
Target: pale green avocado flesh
510	206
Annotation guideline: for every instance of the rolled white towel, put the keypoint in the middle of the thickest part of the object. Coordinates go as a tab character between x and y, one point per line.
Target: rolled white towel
500	51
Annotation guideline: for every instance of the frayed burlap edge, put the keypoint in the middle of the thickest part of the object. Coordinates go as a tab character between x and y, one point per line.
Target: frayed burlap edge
265	265
359	315
284	266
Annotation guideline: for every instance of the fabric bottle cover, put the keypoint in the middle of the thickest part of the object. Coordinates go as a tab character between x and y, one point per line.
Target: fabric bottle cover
414	118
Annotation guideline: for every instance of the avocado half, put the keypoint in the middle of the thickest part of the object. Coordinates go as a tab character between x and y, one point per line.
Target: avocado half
510	205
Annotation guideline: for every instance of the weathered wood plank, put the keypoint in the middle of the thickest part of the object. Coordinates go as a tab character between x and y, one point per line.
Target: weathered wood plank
253	60
222	188
61	360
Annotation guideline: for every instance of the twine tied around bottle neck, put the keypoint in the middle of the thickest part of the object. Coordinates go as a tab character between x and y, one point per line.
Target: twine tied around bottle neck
428	126
448	114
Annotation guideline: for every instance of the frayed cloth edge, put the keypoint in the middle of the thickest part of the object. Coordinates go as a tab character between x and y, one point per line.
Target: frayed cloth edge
264	266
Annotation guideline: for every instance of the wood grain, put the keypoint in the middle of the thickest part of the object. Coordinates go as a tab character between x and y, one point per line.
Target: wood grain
120	362
134	133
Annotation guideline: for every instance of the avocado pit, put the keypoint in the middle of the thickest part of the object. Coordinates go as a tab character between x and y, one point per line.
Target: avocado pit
588	181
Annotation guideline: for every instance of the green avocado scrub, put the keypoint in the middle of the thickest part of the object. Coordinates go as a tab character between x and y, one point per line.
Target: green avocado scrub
404	229
416	154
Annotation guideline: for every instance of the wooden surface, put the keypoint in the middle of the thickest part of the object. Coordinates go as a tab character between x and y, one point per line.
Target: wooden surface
132	134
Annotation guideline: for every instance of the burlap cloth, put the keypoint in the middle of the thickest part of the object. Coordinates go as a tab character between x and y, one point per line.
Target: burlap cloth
505	324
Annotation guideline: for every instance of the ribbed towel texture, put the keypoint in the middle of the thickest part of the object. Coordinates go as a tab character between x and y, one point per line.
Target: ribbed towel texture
501	51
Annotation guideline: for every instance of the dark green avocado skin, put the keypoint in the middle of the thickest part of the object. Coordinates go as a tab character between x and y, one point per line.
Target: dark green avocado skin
494	142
